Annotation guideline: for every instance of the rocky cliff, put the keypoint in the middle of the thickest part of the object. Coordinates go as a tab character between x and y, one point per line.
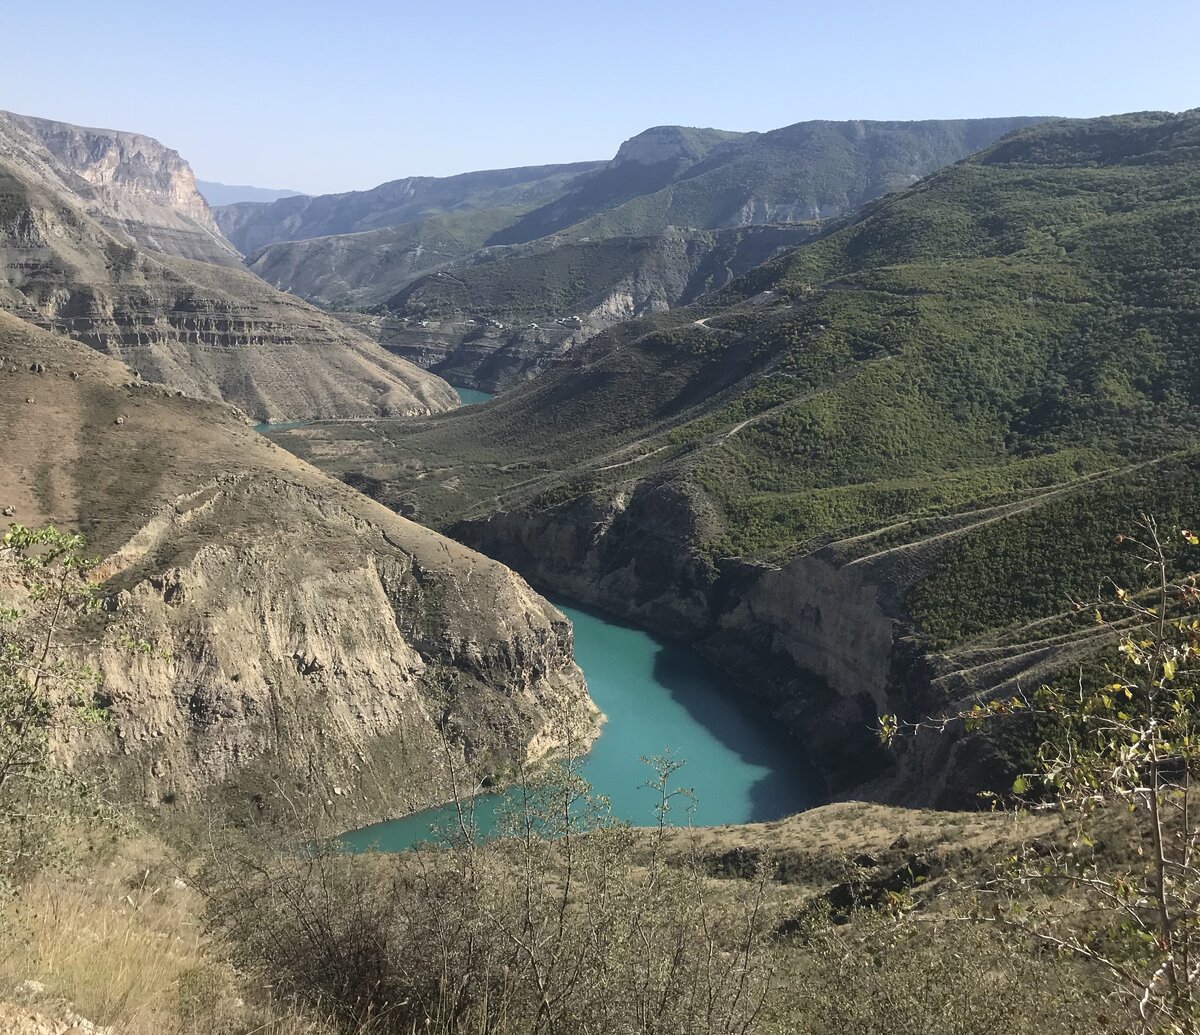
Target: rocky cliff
812	637
309	644
824	638
211	330
131	184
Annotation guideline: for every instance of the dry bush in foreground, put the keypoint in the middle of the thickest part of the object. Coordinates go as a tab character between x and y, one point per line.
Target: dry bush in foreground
575	925
568	923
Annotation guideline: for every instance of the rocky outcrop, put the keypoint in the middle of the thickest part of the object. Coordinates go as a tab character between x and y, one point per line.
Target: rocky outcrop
212	331
822	640
626	552
308	644
131	184
19	1019
335	660
467	352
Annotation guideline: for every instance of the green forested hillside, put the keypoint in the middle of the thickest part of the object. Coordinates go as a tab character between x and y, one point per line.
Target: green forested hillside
664	181
1016	331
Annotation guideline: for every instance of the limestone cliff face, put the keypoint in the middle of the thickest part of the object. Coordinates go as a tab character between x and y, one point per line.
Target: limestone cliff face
309	644
209	330
134	185
626	552
821	639
464	352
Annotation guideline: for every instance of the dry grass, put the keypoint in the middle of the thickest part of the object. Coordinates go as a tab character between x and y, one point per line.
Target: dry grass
816	848
123	947
121	943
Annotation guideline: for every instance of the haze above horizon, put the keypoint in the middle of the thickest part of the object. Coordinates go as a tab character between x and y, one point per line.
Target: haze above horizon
306	97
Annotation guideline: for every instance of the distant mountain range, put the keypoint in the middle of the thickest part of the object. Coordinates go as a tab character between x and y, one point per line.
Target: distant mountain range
231	194
252	226
457	271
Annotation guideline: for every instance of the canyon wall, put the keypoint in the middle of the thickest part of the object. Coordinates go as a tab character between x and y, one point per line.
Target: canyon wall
307	645
130	183
824	641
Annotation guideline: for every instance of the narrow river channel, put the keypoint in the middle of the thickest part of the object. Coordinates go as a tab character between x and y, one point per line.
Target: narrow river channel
658	696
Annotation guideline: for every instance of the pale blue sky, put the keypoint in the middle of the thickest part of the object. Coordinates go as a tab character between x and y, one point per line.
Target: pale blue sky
340	96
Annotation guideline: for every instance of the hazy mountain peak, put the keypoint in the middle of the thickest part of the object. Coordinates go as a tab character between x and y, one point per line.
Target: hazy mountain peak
664	143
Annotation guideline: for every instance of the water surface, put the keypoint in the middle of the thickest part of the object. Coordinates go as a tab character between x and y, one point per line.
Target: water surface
471	396
658	696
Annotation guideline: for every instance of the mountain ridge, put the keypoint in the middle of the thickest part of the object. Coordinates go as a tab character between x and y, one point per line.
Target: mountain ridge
252	226
664	182
79	261
216	193
870	472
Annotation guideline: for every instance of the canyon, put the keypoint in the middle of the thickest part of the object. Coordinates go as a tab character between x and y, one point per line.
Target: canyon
872	474
105	240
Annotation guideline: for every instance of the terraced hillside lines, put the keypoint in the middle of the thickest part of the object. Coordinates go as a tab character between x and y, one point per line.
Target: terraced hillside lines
209	330
905	442
308	641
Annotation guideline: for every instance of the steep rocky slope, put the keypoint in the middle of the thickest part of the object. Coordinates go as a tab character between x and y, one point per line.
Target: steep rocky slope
499	320
308	643
72	266
131	184
873	473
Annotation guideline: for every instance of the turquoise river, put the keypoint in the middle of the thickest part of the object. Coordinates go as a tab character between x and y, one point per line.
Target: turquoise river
471	396
658	696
